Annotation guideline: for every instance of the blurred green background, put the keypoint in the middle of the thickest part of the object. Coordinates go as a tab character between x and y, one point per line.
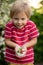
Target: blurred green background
37	17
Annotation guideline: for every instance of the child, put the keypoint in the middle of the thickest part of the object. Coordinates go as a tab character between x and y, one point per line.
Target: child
20	32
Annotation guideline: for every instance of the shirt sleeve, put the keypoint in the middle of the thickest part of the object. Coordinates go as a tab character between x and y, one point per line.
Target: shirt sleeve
7	33
34	32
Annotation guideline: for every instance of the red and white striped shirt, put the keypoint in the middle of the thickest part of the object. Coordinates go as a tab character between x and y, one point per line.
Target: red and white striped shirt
20	36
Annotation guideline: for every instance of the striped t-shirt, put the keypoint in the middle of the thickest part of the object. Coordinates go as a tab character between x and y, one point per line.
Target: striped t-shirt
20	37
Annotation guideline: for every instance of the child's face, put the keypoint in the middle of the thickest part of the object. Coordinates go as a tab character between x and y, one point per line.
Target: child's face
20	20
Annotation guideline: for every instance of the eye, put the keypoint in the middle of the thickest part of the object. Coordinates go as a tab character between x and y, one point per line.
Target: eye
22	18
16	18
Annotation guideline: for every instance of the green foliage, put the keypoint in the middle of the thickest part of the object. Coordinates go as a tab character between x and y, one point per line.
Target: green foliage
38	19
2	60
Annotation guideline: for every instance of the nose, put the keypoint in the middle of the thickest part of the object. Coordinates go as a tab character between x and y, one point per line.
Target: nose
19	22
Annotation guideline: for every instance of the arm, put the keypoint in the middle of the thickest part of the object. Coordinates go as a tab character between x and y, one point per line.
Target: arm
31	43
8	35
34	33
9	43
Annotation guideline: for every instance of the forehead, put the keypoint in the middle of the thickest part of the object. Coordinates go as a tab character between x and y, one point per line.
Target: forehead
20	14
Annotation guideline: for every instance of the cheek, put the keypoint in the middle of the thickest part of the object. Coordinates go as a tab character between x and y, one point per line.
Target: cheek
25	22
15	22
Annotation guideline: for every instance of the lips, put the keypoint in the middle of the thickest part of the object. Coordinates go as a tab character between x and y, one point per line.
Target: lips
19	25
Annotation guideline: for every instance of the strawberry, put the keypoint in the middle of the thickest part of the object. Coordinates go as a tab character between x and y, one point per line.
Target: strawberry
21	51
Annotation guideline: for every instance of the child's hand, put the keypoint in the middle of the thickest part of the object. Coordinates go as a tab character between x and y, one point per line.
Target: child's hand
24	49
17	47
20	51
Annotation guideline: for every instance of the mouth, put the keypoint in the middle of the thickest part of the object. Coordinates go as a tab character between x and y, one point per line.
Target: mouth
19	26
